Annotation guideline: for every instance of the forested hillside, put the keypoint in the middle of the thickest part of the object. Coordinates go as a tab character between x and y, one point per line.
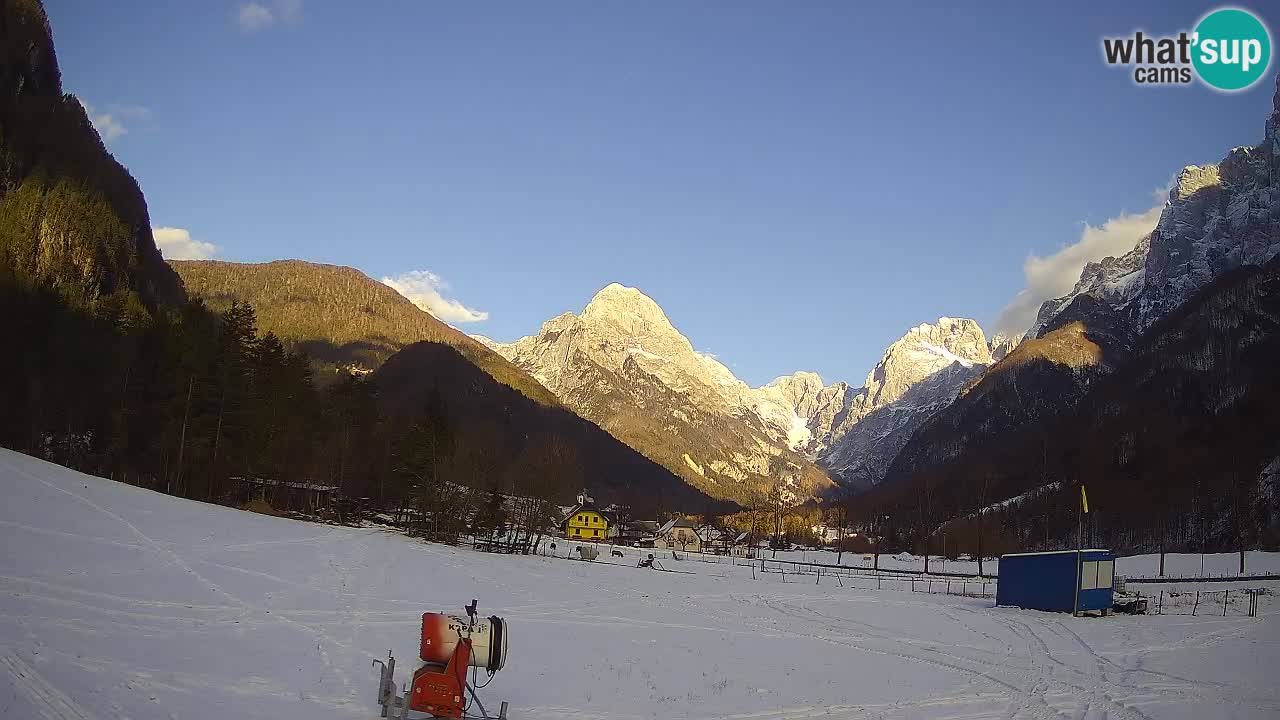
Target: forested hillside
339	316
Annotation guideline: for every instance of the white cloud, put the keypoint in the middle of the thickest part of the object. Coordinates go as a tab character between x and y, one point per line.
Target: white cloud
254	16
424	289
109	125
1054	276
177	244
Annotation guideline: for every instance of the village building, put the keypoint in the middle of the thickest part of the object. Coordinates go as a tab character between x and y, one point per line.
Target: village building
678	534
585	521
636	533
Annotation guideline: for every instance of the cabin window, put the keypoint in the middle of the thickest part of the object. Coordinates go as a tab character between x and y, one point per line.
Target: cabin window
1106	568
1089	575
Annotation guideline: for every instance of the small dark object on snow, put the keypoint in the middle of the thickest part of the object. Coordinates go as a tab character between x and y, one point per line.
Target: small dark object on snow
616	553
1131	606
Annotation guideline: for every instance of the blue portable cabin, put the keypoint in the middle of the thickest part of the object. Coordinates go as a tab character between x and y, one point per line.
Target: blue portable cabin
1047	580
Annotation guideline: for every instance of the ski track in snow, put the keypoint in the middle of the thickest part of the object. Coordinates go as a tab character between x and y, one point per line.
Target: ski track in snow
117	602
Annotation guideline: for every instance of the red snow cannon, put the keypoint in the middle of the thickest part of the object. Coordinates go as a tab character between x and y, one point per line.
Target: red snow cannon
450	647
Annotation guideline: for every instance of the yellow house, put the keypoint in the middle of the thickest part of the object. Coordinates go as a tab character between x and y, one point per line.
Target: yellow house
585	522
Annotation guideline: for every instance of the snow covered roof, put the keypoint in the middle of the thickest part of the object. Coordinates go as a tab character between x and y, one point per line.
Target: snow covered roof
1057	552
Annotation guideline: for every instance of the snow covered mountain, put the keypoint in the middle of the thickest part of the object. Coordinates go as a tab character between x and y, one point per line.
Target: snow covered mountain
1218	217
623	365
855	432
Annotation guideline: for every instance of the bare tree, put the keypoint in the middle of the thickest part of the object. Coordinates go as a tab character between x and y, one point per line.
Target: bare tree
780	470
837	516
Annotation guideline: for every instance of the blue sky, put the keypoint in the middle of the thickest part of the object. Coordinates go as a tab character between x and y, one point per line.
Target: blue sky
795	183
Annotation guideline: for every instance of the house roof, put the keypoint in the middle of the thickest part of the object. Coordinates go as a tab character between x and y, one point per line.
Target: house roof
585	507
677	523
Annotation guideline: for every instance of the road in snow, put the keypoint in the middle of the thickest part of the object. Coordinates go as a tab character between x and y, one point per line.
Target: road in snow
117	602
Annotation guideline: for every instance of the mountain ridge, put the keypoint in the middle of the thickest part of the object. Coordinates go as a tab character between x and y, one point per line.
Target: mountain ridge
339	315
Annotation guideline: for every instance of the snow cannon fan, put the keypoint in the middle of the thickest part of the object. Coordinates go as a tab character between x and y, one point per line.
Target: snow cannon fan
450	645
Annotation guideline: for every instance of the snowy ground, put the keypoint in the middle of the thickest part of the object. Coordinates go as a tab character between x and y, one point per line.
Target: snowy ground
117	602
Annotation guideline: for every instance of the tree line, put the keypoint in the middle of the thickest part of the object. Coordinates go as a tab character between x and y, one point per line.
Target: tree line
202	405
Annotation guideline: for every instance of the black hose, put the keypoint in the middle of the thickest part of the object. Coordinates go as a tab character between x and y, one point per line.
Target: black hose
495	645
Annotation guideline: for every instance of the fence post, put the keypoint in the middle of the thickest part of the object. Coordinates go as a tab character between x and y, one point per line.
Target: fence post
948	587
1160	605
877	581
1196	605
819	577
1225	595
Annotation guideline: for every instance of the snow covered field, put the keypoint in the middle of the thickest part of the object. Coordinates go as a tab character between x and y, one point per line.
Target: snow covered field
117	602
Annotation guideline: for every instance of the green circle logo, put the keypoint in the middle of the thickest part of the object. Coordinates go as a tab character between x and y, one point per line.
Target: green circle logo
1232	49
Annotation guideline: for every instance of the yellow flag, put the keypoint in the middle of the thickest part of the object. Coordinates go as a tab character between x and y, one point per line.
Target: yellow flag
1084	498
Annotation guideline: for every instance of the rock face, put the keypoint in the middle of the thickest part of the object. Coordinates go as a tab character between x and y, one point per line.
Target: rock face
1002	344
856	432
622	364
1218	218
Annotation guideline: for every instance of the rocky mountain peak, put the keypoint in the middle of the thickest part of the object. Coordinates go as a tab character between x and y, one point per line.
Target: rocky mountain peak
926	349
802	392
627	310
1002	344
559	323
1192	179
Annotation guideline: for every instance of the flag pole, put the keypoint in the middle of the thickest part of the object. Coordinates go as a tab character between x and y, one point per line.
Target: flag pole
1084	508
1079	546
